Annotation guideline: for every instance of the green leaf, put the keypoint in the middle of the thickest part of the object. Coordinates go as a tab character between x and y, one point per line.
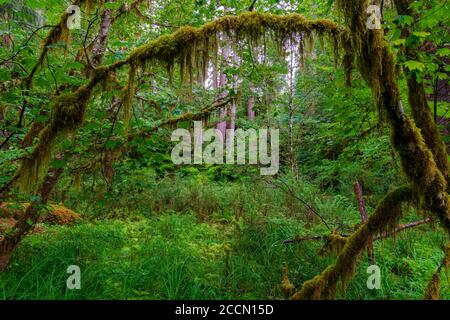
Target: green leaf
112	5
443	52
442	76
413	65
58	164
404	21
399	42
421	34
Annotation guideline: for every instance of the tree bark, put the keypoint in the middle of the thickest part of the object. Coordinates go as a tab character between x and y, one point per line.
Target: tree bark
362	210
29	219
31	215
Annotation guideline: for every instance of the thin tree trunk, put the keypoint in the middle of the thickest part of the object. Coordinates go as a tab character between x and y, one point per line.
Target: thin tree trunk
291	88
250	107
222	124
362	209
99	47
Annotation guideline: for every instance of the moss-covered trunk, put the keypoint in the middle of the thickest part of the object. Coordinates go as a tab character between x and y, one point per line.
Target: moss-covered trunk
29	219
420	165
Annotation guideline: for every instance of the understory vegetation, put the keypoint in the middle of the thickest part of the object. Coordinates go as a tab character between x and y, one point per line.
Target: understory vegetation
87	177
199	251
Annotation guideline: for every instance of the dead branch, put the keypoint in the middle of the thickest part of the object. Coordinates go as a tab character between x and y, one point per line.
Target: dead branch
384	235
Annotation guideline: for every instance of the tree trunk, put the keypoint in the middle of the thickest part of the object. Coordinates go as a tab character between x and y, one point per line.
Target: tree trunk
28	220
222	124
362	210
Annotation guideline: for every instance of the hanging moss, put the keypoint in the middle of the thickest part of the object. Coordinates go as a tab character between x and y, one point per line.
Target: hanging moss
424	120
309	43
59	33
287	286
432	292
385	217
68	113
348	59
377	66
69	109
446	259
334	244
128	96
428	186
182	45
77	181
347	64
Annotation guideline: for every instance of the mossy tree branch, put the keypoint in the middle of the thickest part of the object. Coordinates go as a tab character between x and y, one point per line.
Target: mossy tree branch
385	217
418	102
59	32
180	47
427	183
69	108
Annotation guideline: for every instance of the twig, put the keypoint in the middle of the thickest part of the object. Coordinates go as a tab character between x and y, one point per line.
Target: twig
23	46
384	235
401	228
305	238
287	189
183	117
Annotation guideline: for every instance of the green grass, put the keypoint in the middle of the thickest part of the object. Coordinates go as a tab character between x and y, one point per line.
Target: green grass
178	256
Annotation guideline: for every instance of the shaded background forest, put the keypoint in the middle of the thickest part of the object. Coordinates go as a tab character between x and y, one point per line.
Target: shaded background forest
141	227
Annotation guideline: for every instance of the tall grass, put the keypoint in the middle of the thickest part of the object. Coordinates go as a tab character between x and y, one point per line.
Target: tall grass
209	241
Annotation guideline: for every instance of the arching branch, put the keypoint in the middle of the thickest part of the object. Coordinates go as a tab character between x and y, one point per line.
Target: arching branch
385	217
69	109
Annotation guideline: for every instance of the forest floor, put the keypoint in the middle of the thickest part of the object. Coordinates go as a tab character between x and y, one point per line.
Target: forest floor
184	256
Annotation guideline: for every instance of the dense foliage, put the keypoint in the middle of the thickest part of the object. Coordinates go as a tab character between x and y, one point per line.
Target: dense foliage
86	116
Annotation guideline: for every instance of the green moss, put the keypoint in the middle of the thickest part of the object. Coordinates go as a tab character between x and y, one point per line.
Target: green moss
418	101
385	218
180	47
428	185
59	33
432	292
68	114
128	97
191	47
334	244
